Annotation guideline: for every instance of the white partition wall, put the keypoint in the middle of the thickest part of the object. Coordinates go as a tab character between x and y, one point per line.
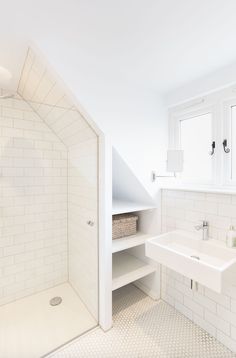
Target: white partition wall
83	220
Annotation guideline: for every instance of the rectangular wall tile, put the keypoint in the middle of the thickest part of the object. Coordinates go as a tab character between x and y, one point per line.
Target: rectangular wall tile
214	312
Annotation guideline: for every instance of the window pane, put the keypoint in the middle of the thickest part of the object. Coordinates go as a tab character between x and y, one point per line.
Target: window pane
196	139
233	143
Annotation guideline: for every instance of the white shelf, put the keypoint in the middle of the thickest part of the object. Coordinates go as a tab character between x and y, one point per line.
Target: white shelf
121	207
130	241
127	269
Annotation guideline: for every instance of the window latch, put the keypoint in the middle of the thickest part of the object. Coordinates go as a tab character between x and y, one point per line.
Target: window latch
226	150
213	145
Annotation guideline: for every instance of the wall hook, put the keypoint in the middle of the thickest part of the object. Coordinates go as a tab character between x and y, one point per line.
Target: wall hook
213	145
90	223
226	150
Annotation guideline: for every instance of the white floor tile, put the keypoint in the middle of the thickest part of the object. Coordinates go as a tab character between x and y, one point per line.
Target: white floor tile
144	328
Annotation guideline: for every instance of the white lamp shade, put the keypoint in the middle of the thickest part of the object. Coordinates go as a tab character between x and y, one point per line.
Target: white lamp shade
175	161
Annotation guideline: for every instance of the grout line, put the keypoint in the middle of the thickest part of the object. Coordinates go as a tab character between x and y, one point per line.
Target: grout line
22	71
43	120
68	215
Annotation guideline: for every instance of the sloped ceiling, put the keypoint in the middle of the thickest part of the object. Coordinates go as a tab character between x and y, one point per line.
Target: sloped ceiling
152	44
46	95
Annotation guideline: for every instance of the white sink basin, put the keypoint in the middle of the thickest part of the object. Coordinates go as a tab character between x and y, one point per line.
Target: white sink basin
209	262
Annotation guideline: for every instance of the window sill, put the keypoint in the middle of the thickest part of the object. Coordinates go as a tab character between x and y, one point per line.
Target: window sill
201	189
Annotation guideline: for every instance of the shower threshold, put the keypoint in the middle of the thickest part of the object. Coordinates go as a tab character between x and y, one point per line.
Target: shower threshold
32	328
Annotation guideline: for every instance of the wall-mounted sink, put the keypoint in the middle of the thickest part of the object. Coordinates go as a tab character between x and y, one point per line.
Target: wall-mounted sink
209	262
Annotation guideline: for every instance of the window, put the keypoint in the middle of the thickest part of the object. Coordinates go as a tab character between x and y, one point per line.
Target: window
194	126
195	140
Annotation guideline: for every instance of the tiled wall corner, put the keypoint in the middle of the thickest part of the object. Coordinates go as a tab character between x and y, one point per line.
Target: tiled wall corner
212	311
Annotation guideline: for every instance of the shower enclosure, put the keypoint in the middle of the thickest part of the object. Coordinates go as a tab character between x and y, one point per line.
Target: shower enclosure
48	216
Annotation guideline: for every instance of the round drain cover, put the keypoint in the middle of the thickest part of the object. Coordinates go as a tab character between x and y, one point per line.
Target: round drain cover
55	301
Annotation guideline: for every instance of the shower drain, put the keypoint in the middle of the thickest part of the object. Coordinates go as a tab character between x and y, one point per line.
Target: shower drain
55	301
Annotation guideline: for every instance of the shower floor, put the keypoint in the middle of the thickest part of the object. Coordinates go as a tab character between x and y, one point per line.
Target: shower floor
31	328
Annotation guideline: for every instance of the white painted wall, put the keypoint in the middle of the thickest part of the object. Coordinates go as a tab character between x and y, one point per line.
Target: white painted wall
125	184
134	119
212	82
138	130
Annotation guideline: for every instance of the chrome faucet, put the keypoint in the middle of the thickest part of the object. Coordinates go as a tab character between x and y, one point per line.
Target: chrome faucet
204	227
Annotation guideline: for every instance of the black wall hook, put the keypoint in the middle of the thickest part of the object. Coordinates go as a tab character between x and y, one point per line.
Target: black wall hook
226	150
213	145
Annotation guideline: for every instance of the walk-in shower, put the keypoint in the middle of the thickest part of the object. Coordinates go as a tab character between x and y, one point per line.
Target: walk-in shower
48	197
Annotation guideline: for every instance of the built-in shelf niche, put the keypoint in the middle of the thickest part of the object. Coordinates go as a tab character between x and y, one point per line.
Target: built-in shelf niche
129	261
128	268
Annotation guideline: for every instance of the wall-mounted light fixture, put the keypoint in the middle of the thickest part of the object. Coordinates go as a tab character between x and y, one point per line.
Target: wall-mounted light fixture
175	162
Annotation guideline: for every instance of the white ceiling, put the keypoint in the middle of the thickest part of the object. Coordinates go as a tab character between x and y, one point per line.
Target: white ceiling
152	44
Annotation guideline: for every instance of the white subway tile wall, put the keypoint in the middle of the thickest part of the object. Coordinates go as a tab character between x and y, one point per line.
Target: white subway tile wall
44	93
212	311
33	203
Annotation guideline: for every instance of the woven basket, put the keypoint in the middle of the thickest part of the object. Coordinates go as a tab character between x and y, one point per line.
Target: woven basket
124	225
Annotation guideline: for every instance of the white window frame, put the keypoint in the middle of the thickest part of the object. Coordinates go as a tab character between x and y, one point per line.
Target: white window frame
175	141
219	103
226	134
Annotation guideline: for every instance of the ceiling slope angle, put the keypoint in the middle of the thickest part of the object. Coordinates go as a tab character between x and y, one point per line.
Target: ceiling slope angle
125	184
46	93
